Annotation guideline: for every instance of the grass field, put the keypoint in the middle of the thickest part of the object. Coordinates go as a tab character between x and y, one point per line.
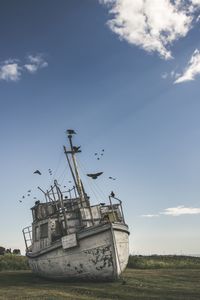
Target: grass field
138	284
13	262
164	262
148	277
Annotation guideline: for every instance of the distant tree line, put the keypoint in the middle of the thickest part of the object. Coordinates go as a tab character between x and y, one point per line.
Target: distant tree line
9	251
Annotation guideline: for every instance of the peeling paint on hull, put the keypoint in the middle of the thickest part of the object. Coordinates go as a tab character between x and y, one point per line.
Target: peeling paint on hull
100	255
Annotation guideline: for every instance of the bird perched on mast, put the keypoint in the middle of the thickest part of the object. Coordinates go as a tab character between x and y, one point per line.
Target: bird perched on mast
76	149
71	131
112	194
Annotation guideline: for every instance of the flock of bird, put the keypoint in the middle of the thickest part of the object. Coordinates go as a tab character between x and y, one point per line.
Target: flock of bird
28	195
68	182
99	155
75	149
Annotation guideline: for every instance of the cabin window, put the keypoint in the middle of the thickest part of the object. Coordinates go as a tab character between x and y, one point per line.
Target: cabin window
63	224
36	233
58	228
44	230
57	233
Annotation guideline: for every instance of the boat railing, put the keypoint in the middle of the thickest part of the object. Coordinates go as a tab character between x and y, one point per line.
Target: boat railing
119	206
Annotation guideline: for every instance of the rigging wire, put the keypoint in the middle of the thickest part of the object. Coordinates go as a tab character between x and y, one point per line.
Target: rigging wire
94	191
98	187
94	182
65	171
62	176
90	186
93	186
56	169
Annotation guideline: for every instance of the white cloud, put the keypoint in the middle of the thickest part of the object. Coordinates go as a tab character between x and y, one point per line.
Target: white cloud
176	211
152	24
196	2
192	69
31	68
149	216
10	71
181	210
35	63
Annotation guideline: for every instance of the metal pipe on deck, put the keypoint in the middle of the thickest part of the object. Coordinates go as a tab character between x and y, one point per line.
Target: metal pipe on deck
62	205
43	193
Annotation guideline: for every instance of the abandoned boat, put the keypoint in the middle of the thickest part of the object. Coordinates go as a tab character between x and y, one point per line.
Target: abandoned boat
72	239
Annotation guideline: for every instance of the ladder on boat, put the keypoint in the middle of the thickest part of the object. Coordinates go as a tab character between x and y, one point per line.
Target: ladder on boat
27	232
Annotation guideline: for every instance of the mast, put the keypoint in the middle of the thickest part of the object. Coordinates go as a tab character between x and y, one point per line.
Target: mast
71	170
75	173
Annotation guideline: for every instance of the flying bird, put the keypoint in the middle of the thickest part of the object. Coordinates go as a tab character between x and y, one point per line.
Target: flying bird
20	201
23	197
71	131
95	154
29	191
37	172
112	178
28	195
95	175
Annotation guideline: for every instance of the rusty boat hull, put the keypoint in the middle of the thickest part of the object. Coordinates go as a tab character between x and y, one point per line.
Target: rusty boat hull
96	253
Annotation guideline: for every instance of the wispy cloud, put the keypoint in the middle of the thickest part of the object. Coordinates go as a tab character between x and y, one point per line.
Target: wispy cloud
35	63
164	76
149	216
176	211
192	69
171	75
152	24
12	69
181	210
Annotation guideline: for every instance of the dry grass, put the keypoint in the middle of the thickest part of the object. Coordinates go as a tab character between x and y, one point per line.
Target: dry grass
163	262
138	284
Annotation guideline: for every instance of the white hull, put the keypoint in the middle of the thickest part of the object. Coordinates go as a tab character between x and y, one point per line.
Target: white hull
101	254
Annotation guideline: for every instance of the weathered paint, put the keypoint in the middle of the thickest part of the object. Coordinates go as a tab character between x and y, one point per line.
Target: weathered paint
69	241
95	257
121	244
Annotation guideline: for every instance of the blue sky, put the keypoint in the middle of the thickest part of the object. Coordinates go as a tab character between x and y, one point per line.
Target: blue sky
125	76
